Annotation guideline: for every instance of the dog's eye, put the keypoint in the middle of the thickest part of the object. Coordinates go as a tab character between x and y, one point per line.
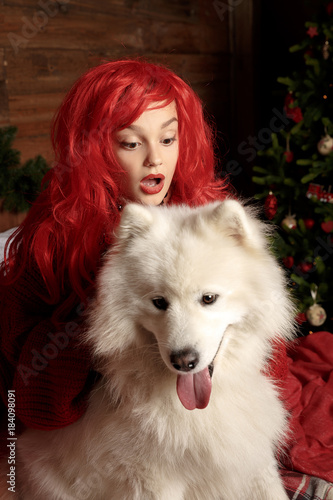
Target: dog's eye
160	303
209	298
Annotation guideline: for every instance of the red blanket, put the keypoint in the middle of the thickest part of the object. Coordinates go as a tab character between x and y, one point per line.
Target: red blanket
309	394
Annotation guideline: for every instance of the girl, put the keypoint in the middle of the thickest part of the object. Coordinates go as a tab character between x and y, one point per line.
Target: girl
127	131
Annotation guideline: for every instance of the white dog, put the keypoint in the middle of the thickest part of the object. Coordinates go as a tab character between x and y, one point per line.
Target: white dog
189	303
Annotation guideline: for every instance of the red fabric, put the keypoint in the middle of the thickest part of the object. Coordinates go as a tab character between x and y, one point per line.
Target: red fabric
309	395
45	364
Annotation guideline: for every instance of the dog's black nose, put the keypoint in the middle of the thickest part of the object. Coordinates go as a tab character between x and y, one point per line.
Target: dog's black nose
185	360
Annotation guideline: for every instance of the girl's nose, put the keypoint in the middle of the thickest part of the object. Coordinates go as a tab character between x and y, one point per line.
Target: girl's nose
153	158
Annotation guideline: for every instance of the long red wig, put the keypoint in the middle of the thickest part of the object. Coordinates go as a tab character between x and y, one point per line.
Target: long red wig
66	229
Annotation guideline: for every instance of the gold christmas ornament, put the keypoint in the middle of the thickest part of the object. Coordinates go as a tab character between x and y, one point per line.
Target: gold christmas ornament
316	315
325	145
289	222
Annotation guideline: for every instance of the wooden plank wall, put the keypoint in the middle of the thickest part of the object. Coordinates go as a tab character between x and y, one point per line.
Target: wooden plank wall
46	44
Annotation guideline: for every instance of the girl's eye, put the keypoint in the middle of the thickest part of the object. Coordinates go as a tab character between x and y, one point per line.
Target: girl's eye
129	145
169	141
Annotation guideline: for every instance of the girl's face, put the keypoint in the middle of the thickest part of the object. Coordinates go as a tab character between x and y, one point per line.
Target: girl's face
148	152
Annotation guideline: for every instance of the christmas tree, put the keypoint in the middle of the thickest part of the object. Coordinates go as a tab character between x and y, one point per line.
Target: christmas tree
19	185
295	172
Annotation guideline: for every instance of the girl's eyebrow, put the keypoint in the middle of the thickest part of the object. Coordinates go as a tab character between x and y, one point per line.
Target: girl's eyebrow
167	123
164	125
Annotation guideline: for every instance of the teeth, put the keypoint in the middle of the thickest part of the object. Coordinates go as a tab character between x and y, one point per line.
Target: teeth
151	182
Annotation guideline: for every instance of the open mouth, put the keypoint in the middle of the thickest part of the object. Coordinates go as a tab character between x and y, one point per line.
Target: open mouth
152	183
194	389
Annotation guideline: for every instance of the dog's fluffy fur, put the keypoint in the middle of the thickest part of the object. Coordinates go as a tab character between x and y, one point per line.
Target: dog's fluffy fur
178	283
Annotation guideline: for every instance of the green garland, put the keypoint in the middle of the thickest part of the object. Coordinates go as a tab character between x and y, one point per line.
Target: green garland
19	185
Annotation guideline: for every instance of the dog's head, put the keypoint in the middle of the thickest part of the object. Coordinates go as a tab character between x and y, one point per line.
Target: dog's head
185	276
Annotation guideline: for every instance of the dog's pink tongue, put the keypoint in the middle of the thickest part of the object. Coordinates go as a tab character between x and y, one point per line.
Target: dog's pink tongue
194	390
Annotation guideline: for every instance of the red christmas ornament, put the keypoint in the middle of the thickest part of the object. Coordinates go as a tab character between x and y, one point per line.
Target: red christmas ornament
288	262
289	156
314	191
270	206
329	8
305	267
312	31
309	223
327	226
295	113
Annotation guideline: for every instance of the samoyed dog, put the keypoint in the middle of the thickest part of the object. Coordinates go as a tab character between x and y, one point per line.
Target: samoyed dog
189	305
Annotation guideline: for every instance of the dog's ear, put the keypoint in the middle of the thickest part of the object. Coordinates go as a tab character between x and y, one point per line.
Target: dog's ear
240	224
135	220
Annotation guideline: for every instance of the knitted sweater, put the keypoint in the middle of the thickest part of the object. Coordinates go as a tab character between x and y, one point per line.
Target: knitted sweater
47	367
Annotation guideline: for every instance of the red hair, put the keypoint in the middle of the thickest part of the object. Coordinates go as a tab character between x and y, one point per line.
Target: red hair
64	231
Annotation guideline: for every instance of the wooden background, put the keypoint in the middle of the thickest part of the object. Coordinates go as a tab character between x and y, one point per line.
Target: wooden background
46	44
